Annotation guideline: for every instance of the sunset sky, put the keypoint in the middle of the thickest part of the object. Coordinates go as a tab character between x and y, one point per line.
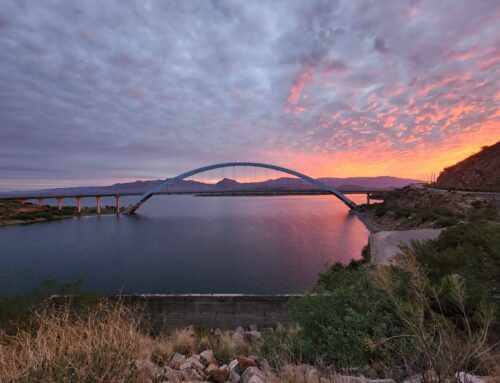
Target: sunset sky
98	92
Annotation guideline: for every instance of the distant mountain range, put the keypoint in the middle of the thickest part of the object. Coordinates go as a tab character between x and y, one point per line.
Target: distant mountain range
479	172
226	184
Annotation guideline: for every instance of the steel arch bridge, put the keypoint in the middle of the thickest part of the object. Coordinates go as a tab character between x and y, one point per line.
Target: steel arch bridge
134	206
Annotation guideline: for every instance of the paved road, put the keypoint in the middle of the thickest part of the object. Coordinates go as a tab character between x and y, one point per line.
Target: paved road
386	244
486	195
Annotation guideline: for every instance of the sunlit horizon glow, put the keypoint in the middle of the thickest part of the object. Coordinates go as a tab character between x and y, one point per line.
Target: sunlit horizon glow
97	94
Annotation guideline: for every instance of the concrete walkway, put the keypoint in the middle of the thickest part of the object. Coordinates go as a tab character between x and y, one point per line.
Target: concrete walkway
385	244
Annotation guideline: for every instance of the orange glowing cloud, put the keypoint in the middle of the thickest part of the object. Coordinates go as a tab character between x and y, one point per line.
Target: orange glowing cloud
381	157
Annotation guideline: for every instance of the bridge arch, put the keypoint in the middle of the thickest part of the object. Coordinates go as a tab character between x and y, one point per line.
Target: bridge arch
134	206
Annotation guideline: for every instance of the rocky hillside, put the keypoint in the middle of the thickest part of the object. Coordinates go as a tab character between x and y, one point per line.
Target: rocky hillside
480	172
421	208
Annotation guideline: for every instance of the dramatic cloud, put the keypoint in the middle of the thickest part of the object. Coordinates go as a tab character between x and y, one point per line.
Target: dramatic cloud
104	91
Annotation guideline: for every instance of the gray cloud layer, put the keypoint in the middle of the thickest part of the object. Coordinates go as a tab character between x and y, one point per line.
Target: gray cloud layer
91	90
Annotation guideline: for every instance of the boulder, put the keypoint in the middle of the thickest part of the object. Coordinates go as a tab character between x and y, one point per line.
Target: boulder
238	337
253	336
464	377
210	368
220	374
191	374
234	377
244	363
233	366
263	364
256	379
192	363
240	329
253	327
172	375
176	360
360	379
251	372
217	332
207	357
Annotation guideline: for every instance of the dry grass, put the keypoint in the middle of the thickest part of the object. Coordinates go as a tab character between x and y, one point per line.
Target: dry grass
100	345
225	348
183	341
103	344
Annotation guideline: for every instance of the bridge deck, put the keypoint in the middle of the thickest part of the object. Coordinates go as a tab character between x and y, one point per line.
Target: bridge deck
201	193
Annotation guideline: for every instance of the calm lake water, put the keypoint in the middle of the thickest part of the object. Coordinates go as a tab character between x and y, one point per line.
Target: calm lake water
187	244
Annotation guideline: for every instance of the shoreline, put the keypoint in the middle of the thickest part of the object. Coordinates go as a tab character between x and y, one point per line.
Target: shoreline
16	212
50	219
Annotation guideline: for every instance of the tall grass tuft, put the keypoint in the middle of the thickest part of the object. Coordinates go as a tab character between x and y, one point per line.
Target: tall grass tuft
101	344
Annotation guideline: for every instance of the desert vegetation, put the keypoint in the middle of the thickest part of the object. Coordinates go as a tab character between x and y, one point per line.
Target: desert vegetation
433	313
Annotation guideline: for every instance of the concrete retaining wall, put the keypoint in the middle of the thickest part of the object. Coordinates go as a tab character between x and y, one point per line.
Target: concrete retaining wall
162	313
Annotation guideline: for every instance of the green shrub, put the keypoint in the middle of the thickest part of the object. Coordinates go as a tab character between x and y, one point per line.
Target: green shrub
446	222
470	250
395	318
345	317
483	211
444	337
285	346
401	212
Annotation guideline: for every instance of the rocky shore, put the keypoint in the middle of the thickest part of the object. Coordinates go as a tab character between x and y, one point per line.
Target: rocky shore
204	366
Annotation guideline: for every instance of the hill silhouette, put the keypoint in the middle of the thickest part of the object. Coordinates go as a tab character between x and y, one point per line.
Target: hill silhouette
479	172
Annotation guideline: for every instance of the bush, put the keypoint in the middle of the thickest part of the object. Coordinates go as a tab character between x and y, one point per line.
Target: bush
345	317
432	311
441	343
470	250
283	346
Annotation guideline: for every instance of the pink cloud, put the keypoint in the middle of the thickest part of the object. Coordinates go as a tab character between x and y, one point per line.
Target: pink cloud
298	86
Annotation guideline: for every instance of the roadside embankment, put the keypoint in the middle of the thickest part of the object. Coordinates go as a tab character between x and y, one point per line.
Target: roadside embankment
418	208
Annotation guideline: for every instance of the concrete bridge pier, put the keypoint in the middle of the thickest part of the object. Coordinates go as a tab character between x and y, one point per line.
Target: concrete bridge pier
79	204
59	203
40	201
98	198
117	204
